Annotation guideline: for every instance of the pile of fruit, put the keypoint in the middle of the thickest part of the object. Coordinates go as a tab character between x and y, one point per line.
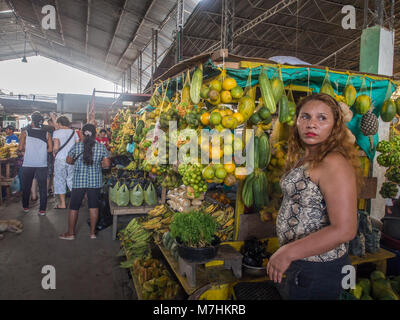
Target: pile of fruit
192	177
378	287
123	130
135	241
182	200
225	220
158	220
8	151
155	280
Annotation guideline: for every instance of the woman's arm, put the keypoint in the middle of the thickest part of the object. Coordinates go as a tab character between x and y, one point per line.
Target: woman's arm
21	145
49	143
337	182
106	163
56	146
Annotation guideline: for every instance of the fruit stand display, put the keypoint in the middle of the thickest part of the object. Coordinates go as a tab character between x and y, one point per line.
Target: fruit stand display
202	95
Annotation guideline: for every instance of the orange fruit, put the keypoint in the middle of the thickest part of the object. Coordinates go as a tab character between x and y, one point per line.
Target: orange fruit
226	97
230	167
239	117
222	112
228	112
237	92
229	122
229	84
216	85
241	173
216	153
215	118
205	118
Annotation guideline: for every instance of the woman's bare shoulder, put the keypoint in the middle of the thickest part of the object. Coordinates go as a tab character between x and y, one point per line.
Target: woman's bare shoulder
336	164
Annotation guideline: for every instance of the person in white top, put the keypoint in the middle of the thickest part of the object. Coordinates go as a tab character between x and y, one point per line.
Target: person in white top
64	139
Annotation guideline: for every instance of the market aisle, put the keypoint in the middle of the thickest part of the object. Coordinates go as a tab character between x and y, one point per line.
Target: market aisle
85	268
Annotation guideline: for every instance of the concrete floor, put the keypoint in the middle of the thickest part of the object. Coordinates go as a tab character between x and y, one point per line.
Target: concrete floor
85	268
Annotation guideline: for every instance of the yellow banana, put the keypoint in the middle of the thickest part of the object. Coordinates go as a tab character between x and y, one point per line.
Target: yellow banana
229	223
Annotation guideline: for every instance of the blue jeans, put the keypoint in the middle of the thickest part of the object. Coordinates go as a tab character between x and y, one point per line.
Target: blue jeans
307	280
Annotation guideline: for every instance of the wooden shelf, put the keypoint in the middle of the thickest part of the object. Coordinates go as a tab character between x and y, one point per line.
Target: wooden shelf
381	255
119	211
136	284
205	276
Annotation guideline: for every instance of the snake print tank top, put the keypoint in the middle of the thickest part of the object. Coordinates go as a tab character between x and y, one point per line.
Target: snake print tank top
303	211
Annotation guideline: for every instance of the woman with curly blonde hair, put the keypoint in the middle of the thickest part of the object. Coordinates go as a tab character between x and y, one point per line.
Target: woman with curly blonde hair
318	215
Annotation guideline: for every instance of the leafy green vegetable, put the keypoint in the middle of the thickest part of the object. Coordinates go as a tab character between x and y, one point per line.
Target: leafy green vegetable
195	229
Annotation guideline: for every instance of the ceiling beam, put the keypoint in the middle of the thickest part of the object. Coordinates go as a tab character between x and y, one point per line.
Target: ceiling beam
89	3
256	21
59	21
122	10
16	15
336	35
133	39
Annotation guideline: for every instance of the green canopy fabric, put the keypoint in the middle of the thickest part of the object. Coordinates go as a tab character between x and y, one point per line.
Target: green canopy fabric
378	88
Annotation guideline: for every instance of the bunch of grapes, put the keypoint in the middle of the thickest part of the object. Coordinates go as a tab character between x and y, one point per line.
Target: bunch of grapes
192	177
388	190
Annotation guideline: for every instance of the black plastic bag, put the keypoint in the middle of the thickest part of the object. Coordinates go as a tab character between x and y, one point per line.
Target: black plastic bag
105	218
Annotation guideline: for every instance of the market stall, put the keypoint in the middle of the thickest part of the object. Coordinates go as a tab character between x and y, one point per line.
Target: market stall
209	205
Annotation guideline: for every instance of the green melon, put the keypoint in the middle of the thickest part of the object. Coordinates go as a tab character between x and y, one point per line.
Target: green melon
363	104
388	110
264	113
327	88
255	118
350	94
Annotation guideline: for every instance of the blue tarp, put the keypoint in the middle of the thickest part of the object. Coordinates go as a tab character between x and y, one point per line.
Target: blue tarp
313	78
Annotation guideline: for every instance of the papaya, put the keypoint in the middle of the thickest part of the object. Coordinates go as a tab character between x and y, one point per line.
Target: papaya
195	86
327	89
266	92
350	94
246	107
185	97
363	104
388	110
277	88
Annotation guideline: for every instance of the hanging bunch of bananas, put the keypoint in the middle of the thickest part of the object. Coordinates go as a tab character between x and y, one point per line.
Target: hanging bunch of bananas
225	219
135	240
4	152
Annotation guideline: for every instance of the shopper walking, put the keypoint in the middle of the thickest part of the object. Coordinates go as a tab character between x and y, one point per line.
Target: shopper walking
34	146
89	158
63	138
313	226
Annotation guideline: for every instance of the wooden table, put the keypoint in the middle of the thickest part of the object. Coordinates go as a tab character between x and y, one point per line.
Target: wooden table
6	180
379	258
120	211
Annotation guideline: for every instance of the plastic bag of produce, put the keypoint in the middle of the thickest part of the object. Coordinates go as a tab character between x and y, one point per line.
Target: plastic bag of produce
113	192
372	241
136	196
357	245
150	195
122	196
